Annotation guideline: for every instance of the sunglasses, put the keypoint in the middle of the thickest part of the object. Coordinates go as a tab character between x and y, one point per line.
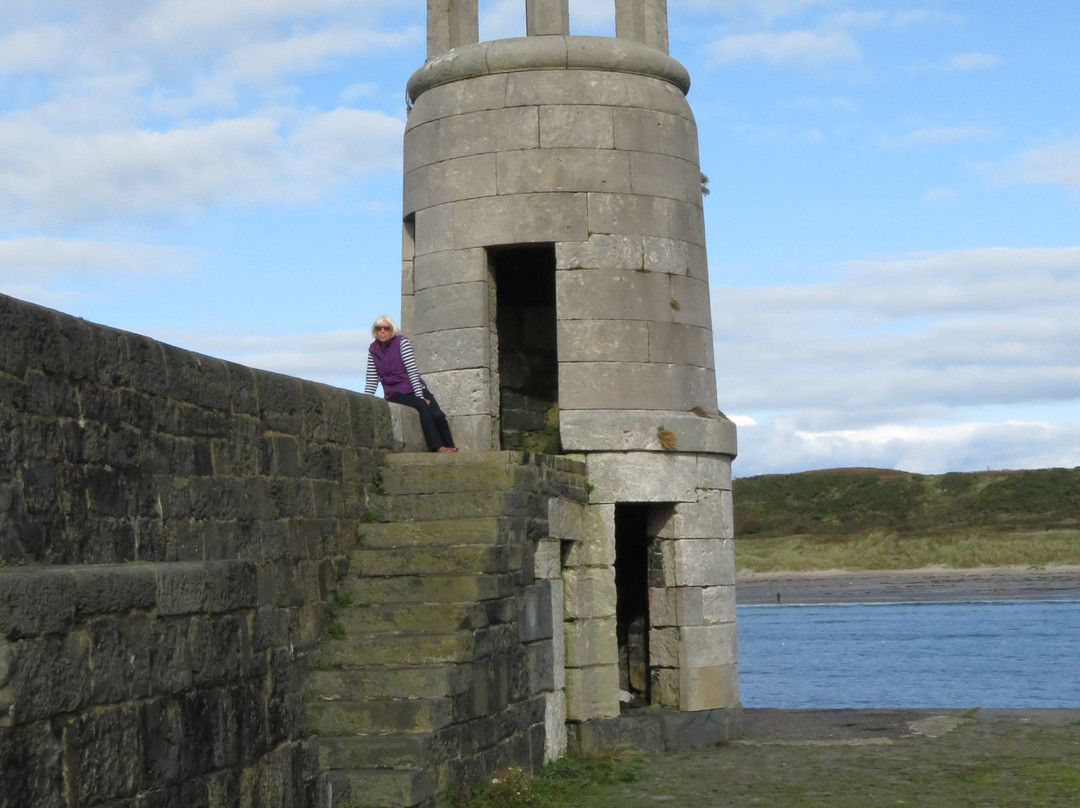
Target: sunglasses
383	328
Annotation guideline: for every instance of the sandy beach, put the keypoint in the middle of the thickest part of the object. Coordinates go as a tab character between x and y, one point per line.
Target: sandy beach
895	586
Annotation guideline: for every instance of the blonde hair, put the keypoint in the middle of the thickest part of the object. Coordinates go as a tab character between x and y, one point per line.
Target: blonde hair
385	319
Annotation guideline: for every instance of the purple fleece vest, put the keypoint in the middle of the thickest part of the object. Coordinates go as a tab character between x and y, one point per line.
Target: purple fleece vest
391	367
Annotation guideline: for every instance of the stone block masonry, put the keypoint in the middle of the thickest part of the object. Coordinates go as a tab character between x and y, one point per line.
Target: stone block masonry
118	448
202	563
146	684
171	528
439	676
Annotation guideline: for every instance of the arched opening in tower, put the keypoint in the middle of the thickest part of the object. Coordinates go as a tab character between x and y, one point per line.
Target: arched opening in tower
528	352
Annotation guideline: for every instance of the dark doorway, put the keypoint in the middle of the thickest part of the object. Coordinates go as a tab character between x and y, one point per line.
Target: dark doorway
528	348
632	599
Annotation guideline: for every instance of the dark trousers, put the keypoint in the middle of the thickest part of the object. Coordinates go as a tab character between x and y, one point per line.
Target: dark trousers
432	418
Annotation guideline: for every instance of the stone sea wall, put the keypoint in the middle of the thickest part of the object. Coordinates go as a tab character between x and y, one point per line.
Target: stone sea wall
148	684
171	526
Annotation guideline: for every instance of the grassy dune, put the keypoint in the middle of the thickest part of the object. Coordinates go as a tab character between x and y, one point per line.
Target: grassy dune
878	519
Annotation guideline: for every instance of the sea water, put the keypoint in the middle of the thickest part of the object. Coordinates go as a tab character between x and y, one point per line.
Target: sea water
957	655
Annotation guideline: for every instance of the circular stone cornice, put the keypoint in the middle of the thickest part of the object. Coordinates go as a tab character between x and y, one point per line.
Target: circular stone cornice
546	53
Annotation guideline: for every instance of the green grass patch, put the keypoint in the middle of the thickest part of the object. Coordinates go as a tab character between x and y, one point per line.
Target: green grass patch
865	519
857	501
982	763
561	782
877	550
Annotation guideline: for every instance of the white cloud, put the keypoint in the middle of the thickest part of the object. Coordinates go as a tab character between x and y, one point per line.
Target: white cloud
798	49
937	196
190	22
272	58
1055	163
337	358
870	368
858	19
32	49
500	19
345	143
199	52
923	16
936	135
48	180
781	445
40	258
98	176
973	61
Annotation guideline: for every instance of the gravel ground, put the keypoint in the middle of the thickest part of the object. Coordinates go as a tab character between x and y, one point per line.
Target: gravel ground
868	759
915	758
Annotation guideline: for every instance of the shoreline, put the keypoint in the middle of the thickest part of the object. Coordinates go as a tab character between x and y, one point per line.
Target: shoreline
928	584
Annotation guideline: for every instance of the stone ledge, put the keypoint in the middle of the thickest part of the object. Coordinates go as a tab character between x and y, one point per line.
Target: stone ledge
522	54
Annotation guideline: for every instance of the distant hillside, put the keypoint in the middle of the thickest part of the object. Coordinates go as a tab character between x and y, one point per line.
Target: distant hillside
853	501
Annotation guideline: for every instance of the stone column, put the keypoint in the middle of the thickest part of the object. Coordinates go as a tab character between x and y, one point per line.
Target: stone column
547	17
643	21
450	24
693	642
592	651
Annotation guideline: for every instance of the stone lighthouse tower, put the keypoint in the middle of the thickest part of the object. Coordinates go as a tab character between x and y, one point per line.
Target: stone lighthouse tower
555	285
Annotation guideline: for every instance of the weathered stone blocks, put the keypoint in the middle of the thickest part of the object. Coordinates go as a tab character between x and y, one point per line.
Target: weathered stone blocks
595	543
567	170
653	476
450	267
650	386
591	642
629	430
463	177
520	218
589	592
577	126
592	692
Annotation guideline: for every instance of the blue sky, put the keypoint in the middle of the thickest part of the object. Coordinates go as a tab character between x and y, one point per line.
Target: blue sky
893	225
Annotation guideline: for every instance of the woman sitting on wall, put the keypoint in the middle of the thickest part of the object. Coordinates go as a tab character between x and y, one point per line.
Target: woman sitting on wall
391	362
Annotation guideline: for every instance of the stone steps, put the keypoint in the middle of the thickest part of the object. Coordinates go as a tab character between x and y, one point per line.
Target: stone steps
367	717
463	588
423	473
377	788
412	616
388	682
427	592
453	505
381	752
393	648
432	532
462	559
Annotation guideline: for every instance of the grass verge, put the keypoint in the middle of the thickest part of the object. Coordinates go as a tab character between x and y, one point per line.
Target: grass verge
889	551
561	782
998	762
